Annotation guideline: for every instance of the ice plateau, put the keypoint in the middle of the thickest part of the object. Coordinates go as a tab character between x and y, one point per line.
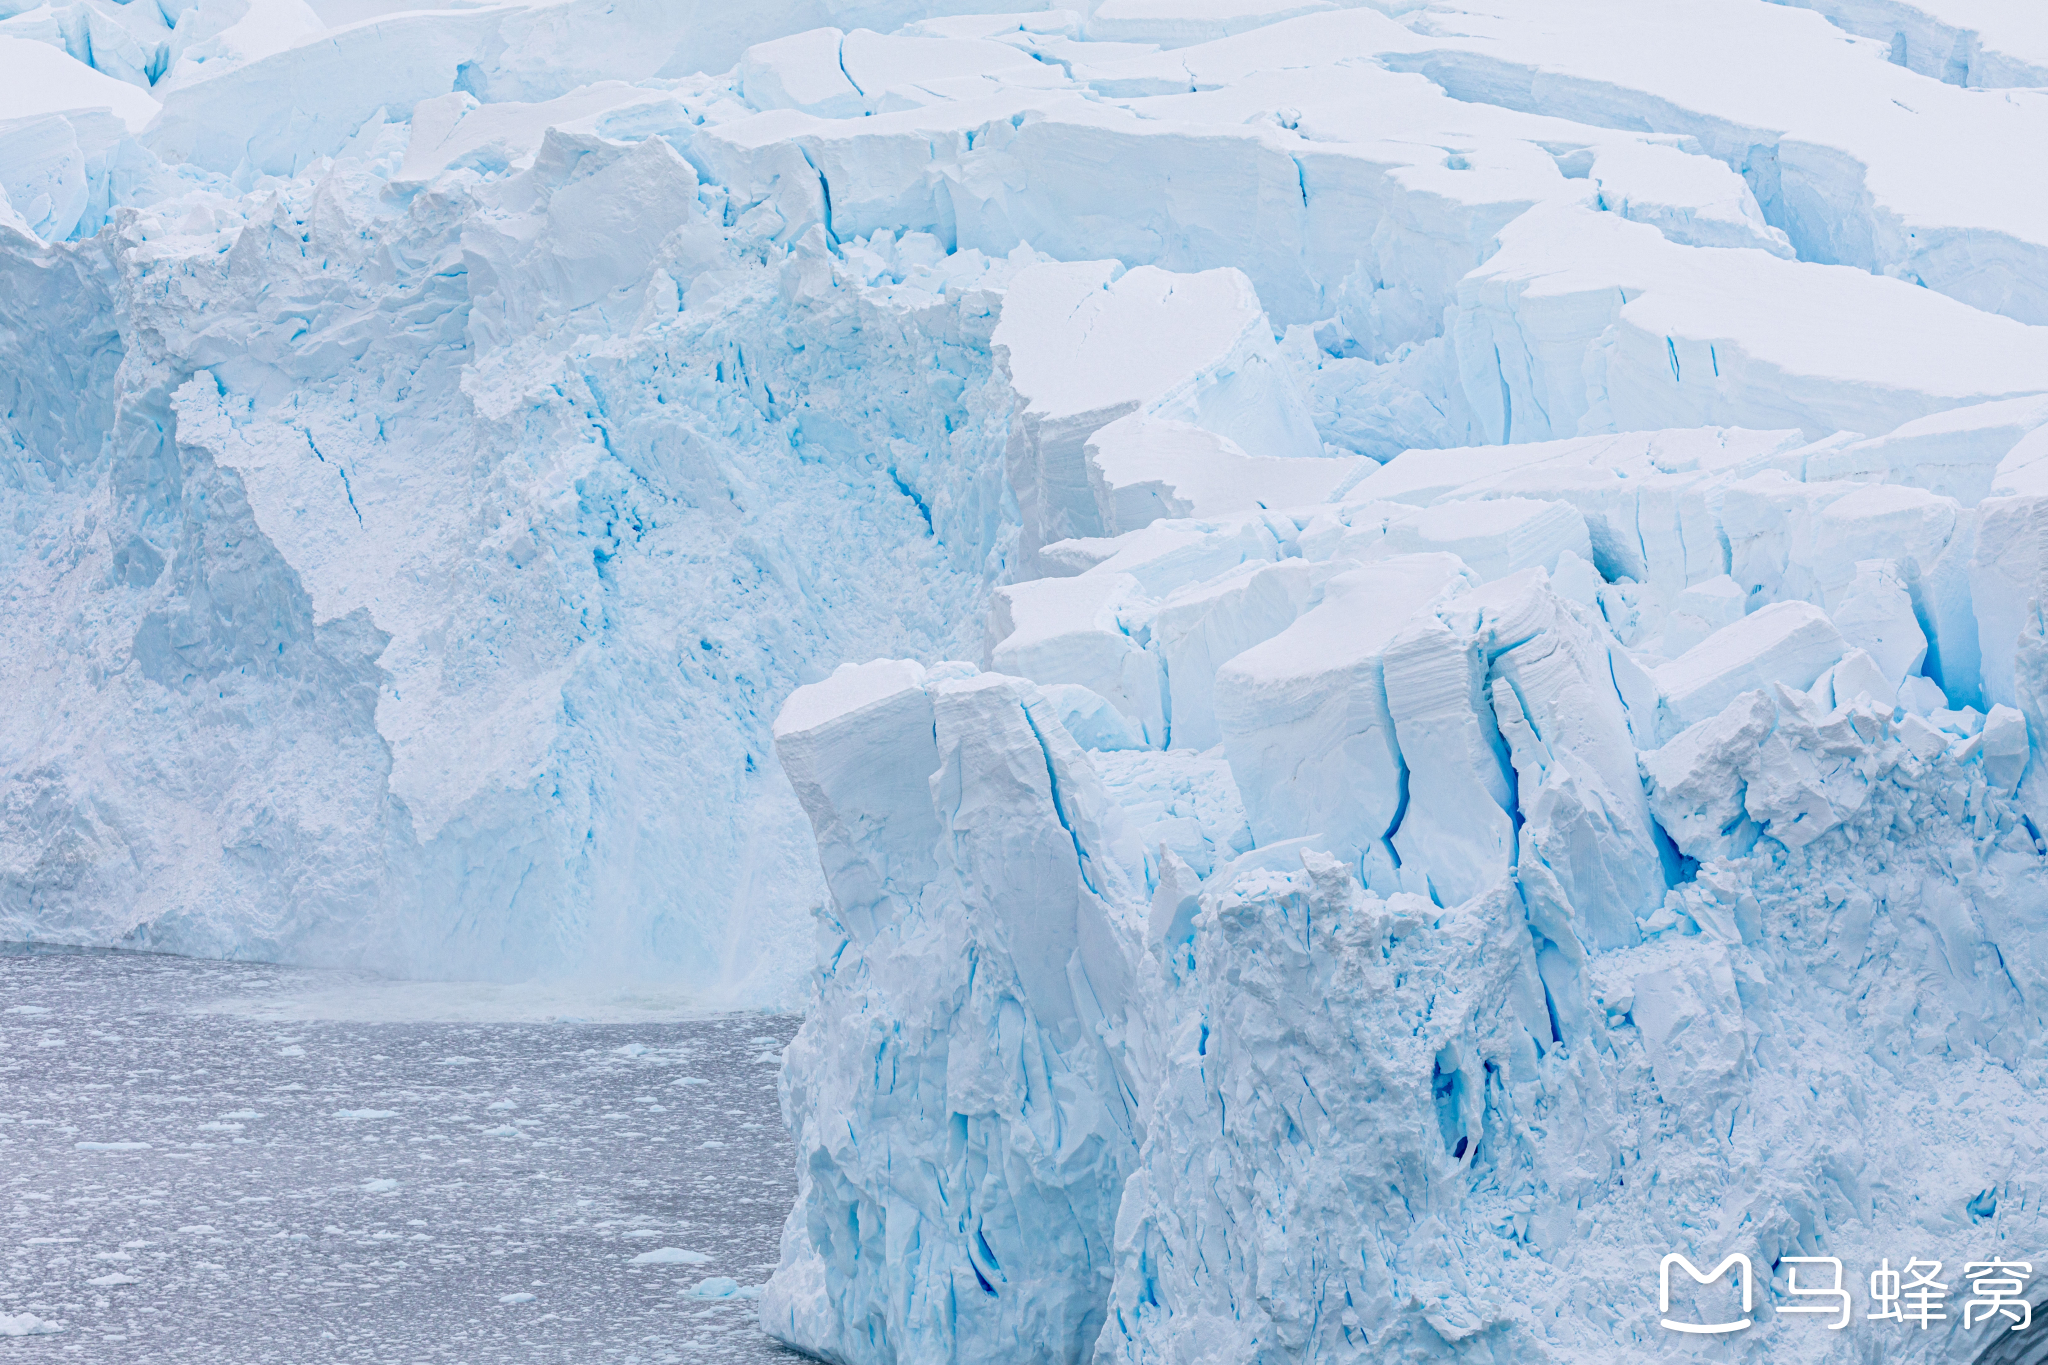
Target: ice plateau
1369	664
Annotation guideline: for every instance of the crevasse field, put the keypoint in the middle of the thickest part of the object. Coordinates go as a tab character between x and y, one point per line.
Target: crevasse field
1366	665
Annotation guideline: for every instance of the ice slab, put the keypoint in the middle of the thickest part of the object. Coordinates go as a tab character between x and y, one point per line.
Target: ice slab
283	111
1494	538
875	839
215	48
1876	616
1790	643
2010	555
1689	198
898	70
1423	476
1975	43
1180	23
1701	609
1732	338
1201	626
40	79
2024	468
1083	345
1791	539
454	130
1857	678
1091	718
1960	454
1142	469
1883	188
1080	630
844	75
1304	715
1644	496
1169	554
802	71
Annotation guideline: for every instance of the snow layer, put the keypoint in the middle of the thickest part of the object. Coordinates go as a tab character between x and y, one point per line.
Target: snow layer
1501	544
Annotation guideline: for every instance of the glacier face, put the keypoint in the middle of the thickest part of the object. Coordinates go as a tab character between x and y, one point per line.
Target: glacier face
388	527
1388	656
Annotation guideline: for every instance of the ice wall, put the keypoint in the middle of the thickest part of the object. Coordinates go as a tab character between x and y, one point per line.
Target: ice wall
1432	1133
1711	990
990	894
1526	958
406	576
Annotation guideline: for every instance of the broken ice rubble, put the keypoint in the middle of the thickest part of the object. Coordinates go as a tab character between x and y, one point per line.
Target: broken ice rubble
1391	656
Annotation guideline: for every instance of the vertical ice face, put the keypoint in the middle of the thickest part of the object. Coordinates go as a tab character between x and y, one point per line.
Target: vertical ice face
1587	856
1305	717
1407	1107
1455	832
860	750
529	550
1328	1222
965	1090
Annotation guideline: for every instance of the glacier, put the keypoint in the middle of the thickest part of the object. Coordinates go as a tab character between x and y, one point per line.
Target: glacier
1367	664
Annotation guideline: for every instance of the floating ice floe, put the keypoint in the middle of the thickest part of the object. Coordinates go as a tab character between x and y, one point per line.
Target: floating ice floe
669	1256
28	1325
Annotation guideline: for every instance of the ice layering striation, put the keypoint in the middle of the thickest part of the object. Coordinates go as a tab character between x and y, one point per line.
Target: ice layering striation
1370	663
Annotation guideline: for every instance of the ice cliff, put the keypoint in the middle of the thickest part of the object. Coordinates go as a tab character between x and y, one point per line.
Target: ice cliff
1370	663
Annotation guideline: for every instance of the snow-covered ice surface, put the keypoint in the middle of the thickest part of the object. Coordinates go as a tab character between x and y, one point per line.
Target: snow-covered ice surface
1368	663
272	1179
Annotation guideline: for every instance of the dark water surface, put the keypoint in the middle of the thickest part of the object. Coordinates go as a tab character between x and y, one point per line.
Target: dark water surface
373	1185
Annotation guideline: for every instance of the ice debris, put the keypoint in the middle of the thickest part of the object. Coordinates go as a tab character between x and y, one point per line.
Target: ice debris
669	1256
28	1325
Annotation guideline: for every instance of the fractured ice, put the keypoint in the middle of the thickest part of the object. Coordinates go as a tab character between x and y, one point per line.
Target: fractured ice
1369	663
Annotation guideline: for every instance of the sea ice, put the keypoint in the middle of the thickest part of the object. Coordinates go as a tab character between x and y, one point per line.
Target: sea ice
669	1256
27	1325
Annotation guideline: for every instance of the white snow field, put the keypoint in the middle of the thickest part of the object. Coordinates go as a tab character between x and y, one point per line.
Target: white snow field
1369	664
